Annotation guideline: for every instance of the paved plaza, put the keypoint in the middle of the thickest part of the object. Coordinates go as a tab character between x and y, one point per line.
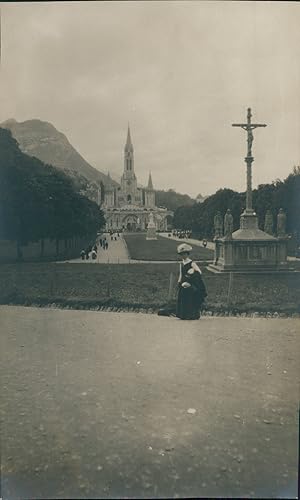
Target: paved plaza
108	405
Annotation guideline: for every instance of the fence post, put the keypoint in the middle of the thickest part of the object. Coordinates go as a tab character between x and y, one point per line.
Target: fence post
171	287
230	287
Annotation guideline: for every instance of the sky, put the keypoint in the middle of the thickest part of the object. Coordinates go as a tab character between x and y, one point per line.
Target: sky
179	72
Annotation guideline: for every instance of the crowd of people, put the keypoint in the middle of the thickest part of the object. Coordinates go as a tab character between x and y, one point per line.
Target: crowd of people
185	234
91	251
114	236
182	234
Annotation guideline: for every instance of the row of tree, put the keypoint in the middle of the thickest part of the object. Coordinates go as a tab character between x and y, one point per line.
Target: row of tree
279	194
38	201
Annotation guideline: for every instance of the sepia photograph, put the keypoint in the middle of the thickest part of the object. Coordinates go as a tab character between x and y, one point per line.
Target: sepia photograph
149	249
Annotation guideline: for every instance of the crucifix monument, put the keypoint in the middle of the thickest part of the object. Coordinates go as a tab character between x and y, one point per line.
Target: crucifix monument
249	127
249	249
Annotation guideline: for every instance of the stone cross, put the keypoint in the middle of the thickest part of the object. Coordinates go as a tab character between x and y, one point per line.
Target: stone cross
249	127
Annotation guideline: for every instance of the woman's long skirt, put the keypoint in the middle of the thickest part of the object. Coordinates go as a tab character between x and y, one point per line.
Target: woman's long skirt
188	305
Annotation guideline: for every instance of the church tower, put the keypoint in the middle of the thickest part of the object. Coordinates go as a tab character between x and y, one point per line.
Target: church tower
128	179
150	194
129	206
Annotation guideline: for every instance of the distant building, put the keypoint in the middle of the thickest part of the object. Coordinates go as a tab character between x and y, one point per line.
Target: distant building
128	206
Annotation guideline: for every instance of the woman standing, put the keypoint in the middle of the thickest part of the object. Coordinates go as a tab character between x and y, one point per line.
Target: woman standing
192	291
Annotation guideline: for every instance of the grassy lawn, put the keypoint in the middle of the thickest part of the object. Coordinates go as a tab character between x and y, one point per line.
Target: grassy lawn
161	249
140	286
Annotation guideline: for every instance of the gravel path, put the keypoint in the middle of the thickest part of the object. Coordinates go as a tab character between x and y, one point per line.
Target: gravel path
107	405
115	254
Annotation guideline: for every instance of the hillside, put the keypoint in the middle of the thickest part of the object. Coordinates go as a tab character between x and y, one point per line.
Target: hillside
42	140
172	200
39	201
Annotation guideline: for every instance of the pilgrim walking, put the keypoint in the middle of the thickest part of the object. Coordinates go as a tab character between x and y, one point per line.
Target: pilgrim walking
191	288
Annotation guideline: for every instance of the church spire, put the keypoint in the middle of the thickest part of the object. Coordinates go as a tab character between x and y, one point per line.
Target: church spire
150	184
128	157
128	145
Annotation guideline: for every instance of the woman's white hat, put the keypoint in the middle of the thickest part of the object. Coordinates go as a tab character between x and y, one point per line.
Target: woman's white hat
184	247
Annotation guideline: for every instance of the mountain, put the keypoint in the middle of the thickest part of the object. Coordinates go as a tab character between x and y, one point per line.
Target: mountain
38	200
42	140
200	198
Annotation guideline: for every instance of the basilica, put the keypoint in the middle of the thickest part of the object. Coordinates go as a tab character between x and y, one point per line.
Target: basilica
128	206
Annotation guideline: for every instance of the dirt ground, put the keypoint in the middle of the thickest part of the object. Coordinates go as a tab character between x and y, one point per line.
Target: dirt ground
108	405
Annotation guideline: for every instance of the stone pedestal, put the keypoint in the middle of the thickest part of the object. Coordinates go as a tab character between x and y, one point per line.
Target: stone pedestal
249	249
151	229
151	233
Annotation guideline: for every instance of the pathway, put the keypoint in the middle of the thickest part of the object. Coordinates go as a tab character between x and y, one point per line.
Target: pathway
117	253
112	405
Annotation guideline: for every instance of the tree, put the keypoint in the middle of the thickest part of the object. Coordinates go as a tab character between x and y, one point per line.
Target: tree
279	194
38	201
172	200
200	217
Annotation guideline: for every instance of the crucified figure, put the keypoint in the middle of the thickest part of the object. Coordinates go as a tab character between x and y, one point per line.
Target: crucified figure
250	138
249	127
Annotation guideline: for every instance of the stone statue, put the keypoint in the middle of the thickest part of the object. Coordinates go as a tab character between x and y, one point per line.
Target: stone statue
151	222
268	227
281	224
250	141
151	229
218	225
228	224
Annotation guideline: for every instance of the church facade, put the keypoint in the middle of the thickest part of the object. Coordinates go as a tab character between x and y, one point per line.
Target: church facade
128	206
